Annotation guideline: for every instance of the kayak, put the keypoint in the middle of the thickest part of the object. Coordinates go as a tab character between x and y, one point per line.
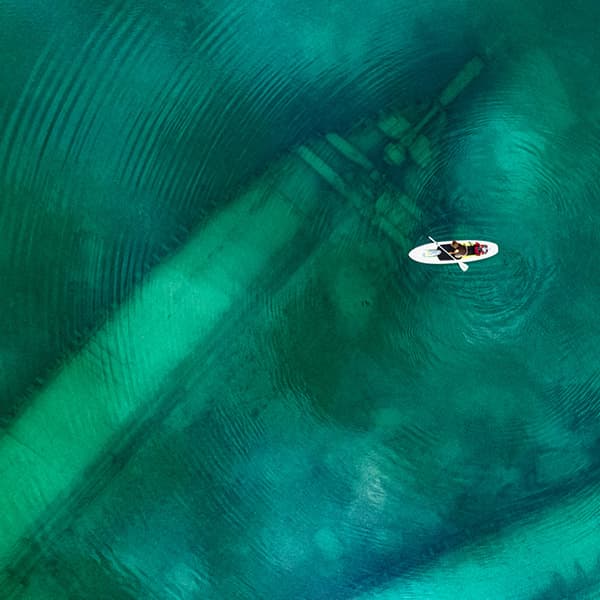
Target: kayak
431	254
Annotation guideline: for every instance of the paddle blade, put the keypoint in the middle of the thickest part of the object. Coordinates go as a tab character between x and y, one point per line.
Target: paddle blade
464	268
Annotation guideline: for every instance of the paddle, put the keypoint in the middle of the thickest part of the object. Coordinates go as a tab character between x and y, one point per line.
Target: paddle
462	265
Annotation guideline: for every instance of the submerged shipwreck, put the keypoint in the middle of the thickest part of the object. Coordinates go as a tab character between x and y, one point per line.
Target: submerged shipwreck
60	455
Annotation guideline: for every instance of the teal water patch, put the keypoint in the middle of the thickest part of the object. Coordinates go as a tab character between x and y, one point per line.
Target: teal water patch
297	410
336	318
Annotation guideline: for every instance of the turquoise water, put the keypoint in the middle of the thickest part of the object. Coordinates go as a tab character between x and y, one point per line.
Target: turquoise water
220	375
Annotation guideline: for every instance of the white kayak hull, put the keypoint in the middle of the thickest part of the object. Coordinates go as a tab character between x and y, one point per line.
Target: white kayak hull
430	254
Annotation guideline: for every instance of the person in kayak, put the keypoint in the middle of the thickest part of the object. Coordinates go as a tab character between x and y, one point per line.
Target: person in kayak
458	250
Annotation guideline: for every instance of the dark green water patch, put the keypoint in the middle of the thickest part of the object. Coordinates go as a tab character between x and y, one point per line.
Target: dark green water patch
332	332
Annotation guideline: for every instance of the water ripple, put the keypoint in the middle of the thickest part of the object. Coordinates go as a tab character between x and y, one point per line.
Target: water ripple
124	119
503	304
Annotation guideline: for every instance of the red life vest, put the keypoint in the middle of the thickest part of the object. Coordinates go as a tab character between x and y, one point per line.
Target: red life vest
480	249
